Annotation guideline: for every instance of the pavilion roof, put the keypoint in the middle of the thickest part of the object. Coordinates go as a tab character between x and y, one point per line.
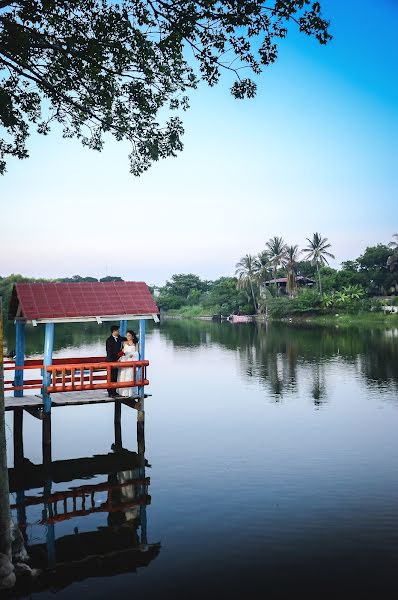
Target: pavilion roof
81	301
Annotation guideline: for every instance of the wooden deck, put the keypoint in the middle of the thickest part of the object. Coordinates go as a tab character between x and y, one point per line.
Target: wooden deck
69	399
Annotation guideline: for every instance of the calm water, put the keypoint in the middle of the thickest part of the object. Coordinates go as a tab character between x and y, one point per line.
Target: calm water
273	464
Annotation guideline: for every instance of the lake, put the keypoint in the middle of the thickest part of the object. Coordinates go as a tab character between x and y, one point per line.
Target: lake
272	453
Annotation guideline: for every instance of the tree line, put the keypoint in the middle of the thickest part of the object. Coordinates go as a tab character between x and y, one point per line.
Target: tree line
373	274
254	288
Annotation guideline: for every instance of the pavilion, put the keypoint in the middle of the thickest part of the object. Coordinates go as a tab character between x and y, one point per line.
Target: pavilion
71	381
51	303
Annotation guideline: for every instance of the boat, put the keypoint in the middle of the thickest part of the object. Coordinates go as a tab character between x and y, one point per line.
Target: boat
240	319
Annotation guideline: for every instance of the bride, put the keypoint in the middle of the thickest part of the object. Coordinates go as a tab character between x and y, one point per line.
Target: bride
130	352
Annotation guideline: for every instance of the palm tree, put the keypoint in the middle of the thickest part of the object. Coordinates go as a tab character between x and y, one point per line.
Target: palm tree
276	249
394	243
262	267
317	253
290	263
246	270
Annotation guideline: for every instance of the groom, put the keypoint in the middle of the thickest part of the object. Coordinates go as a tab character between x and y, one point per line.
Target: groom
113	347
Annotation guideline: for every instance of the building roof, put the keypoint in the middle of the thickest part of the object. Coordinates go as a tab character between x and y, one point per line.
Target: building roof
82	301
301	278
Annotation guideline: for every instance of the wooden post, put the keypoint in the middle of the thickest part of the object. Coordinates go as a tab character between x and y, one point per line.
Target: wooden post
5	514
18	436
46	438
21	512
118	427
123	327
19	355
141	432
47	361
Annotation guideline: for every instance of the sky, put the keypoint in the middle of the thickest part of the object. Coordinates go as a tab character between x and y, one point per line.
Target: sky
314	151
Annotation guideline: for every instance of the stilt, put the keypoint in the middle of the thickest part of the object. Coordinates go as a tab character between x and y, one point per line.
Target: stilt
21	513
141	432
46	439
18	436
144	535
19	355
47	361
141	389
118	426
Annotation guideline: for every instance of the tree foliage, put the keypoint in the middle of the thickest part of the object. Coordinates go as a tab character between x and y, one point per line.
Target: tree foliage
317	252
98	67
181	290
225	297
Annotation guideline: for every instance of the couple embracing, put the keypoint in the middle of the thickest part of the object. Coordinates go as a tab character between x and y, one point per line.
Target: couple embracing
122	349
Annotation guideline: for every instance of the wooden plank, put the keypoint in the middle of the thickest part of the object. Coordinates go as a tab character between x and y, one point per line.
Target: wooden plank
68	399
25	401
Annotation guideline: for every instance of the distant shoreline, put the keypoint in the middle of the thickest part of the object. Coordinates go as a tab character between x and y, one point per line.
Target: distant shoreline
337	320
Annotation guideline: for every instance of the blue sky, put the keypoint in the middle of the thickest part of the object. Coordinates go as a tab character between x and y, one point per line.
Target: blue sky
315	151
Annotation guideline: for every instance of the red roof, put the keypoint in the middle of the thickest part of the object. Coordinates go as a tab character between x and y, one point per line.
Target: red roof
35	301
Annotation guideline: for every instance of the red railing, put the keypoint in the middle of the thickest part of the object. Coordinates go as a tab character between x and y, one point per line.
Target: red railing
77	374
85	496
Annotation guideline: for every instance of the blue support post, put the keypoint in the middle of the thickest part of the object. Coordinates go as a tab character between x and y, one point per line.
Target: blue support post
144	529
123	327
19	355
48	360
141	339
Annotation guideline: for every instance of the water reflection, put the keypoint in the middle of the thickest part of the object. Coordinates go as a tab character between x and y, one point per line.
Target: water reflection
67	335
59	533
275	470
271	353
274	353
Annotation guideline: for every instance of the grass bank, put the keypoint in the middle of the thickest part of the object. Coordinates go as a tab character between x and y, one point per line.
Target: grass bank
364	319
190	312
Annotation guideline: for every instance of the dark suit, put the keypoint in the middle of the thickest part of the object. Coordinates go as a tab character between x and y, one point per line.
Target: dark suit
113	347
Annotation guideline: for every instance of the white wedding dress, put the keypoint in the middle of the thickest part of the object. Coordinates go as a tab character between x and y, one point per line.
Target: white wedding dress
127	374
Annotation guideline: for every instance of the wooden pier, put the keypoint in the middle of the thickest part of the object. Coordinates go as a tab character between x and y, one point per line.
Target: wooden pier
40	385
71	399
119	546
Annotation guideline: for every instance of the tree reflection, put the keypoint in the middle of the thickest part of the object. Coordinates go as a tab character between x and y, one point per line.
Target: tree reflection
274	353
318	388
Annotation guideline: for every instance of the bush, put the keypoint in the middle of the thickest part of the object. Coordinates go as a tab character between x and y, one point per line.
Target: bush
376	305
278	308
307	302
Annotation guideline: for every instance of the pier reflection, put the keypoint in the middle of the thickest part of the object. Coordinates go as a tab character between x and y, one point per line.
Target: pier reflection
88	515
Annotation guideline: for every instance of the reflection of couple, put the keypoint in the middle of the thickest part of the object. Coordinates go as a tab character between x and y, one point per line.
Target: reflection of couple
122	349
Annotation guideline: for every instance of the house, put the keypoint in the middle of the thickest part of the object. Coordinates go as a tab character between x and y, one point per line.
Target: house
281	282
